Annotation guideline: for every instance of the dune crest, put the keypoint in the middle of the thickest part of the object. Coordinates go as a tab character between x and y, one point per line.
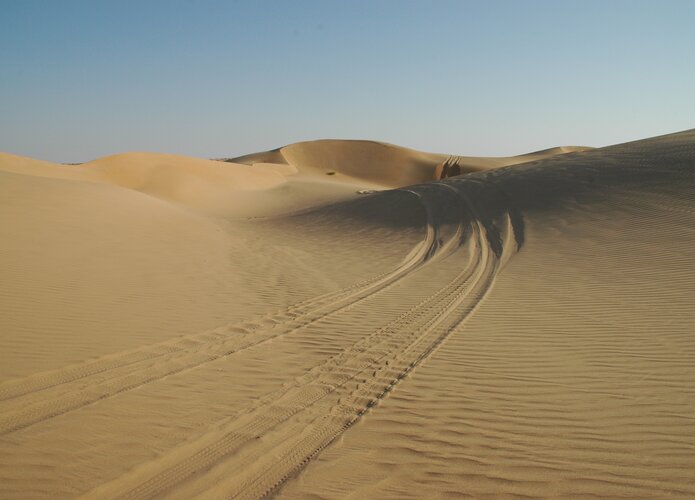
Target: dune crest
190	181
308	174
382	163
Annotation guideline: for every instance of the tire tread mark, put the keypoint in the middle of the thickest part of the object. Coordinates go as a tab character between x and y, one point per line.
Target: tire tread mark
322	381
178	358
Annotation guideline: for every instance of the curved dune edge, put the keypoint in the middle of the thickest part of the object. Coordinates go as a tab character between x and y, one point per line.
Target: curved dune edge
385	164
189	181
311	174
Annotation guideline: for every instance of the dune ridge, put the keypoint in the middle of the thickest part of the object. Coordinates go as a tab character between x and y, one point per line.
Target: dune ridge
384	163
189	181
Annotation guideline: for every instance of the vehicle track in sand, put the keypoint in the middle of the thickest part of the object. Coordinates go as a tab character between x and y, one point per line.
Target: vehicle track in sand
273	438
25	402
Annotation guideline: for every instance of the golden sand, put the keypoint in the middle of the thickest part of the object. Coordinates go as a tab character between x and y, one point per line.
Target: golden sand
341	319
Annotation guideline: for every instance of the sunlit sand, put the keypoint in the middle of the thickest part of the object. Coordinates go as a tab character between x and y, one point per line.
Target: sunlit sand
350	319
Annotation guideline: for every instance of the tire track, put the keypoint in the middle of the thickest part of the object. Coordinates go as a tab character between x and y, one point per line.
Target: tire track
376	364
272	410
87	383
45	380
337	418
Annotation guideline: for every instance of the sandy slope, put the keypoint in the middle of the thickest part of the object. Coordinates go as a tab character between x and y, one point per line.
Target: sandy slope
575	376
525	330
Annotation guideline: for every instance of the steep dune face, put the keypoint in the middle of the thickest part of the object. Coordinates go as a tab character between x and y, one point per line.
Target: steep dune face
385	164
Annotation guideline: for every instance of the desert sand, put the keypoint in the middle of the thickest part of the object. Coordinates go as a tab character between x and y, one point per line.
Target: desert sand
337	319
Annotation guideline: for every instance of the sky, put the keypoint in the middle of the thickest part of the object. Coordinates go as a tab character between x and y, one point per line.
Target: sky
211	78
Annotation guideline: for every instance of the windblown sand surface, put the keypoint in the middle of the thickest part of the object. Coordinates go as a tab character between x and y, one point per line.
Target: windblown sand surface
181	327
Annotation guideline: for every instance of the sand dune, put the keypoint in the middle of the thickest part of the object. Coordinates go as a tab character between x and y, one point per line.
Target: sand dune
519	330
194	182
574	376
382	163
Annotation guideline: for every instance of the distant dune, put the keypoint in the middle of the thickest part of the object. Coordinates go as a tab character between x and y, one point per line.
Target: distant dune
191	181
382	163
338	319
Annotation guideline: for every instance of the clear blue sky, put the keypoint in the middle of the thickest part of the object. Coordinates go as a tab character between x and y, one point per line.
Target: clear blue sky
82	79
